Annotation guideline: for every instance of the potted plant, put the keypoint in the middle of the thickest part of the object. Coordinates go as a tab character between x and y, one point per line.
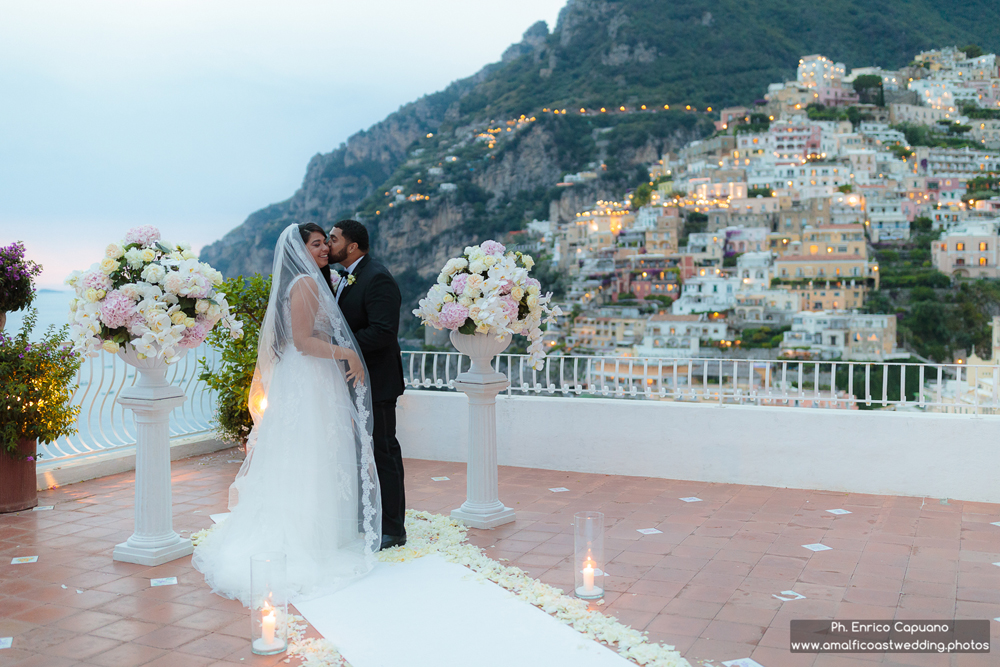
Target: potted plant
17	274
37	380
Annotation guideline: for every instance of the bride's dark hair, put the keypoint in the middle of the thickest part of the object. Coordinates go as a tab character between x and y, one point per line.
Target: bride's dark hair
306	230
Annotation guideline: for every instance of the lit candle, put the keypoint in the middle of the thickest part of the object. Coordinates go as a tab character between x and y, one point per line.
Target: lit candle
268	622
588	577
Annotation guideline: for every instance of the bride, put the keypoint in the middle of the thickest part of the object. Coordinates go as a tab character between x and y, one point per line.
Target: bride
308	486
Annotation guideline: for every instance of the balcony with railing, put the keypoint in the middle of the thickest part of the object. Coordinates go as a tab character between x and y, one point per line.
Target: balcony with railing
897	428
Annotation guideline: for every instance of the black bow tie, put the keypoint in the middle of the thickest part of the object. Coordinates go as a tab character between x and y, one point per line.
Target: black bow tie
343	273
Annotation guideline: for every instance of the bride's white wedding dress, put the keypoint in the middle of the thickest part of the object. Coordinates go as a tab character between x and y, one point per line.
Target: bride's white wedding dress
308	487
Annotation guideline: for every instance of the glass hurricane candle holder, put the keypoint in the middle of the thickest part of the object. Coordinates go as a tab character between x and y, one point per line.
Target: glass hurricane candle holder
588	532
269	604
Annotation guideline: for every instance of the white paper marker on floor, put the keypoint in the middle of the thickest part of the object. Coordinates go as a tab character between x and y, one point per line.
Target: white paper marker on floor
440	479
648	531
163	581
997	564
817	547
439	615
791	595
219	518
995	523
691	499
559	489
23	559
42	508
838	511
6	642
742	662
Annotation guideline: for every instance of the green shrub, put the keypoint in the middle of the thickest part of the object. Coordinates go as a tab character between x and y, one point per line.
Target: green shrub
232	375
36	385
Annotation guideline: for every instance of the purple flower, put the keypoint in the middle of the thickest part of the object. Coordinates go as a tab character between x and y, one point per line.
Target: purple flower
30	458
117	310
453	315
493	248
459	282
146	235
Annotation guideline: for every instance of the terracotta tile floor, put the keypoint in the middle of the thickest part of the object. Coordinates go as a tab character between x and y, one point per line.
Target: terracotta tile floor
704	584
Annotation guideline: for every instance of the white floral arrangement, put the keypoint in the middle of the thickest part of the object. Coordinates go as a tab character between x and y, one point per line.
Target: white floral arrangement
488	291
149	294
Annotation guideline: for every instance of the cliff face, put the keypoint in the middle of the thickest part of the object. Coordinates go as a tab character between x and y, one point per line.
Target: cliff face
601	53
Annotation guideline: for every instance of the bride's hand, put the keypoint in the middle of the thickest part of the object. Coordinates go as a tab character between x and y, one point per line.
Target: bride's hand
355	369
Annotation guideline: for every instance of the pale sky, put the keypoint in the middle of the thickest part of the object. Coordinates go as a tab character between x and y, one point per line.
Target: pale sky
192	114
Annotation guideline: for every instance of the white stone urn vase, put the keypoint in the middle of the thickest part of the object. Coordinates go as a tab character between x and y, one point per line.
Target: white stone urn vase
151	400
481	383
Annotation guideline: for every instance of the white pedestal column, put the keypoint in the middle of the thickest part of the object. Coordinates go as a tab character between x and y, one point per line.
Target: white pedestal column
482	507
154	541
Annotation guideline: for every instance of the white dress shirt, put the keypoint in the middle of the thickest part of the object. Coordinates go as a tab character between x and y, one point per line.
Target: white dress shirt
343	279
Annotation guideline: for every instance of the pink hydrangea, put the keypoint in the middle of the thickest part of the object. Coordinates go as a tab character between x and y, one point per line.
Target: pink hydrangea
493	248
145	235
453	315
459	282
531	282
509	307
117	310
96	279
506	286
195	336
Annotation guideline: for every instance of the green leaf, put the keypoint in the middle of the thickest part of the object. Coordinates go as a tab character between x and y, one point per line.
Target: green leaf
469	328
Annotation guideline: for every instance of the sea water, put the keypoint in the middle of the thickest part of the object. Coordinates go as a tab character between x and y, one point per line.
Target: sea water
53	309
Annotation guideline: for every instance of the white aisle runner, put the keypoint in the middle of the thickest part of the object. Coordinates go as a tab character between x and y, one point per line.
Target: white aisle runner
431	612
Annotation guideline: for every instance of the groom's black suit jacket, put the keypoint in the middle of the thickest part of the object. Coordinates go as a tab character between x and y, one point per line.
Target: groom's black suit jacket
371	308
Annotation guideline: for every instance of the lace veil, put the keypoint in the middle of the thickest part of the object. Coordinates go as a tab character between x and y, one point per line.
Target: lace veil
293	263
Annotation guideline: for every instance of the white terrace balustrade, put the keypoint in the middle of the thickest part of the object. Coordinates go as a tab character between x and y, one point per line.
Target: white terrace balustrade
828	384
718	420
105	427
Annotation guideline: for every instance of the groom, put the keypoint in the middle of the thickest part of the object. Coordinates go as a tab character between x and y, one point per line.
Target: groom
369	299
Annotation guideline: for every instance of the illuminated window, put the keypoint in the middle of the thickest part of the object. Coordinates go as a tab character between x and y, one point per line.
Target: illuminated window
982	261
982	245
959	246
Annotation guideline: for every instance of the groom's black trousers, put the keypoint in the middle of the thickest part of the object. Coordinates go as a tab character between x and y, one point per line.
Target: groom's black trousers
389	464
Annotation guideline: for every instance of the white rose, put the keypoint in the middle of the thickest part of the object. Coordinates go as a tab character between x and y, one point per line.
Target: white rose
178	317
217	279
533	289
154	273
527	261
134	258
477	266
187	254
189	322
483	328
489	260
110	346
147	255
532	301
201	306
113	251
214	312
517	293
465	301
109	265
442	279
448	298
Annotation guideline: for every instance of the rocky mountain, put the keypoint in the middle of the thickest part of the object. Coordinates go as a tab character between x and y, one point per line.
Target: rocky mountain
494	137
